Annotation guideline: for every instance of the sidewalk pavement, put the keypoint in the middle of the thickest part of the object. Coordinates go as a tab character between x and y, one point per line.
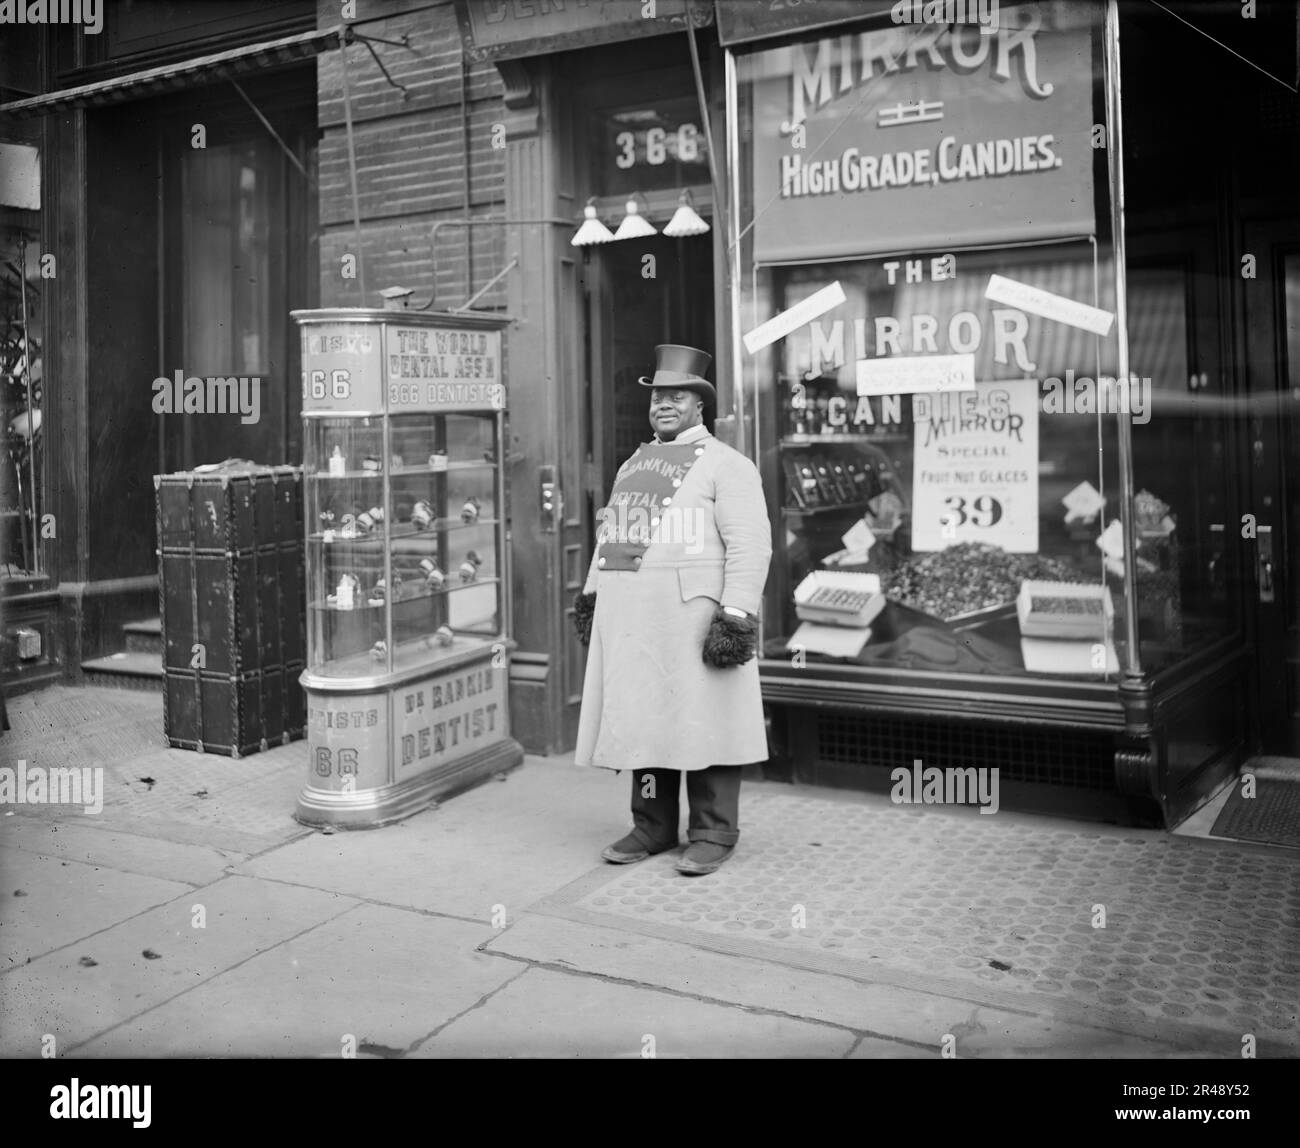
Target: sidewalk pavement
194	917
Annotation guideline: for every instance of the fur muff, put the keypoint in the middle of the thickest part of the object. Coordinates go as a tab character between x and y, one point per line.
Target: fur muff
730	640
584	610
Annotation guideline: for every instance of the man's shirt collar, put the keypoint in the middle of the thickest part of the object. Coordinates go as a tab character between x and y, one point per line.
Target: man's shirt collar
693	435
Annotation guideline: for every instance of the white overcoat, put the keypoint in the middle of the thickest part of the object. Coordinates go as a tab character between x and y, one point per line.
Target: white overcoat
649	700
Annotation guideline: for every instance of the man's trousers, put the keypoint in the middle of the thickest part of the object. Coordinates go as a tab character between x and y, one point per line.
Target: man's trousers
714	797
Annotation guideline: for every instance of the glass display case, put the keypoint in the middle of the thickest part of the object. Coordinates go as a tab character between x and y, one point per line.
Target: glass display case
407	569
405	547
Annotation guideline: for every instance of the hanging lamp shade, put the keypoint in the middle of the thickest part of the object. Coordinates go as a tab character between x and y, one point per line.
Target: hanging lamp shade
592	230
686	220
634	225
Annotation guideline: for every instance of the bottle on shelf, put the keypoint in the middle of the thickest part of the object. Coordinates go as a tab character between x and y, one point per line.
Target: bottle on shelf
338	465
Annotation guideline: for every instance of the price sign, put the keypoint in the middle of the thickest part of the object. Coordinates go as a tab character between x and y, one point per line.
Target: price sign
975	467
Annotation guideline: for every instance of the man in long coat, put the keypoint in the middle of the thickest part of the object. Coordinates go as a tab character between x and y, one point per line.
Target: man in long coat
669	613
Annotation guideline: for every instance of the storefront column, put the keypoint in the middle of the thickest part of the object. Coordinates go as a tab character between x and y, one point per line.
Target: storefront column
543	369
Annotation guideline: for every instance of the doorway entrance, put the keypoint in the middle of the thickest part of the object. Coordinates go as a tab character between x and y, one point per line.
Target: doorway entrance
646	292
635	295
1272	326
238	253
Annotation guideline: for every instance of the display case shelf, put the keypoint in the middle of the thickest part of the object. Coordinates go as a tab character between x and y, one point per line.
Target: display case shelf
403	471
442	525
834	508
441	592
832	439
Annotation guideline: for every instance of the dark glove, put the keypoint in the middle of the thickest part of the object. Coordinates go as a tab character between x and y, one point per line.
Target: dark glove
584	609
730	640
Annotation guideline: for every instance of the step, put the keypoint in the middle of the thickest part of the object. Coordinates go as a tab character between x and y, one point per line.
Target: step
1273	767
128	670
144	636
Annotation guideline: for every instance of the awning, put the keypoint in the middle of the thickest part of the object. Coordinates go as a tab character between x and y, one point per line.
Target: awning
186	73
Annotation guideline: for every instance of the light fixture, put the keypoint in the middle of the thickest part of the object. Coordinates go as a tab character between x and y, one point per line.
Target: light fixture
592	230
686	220
634	225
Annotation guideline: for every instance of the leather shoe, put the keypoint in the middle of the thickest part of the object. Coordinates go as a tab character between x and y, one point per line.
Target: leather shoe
703	857
628	849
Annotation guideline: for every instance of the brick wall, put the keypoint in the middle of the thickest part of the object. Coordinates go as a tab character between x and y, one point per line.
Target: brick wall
422	158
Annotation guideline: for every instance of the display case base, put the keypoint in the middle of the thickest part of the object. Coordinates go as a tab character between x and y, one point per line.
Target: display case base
373	808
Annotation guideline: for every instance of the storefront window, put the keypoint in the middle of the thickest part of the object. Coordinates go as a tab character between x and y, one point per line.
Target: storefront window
21	387
937	415
1180	475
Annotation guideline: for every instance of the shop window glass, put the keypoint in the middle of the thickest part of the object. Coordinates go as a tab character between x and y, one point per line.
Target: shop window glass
21	392
939	439
1180	476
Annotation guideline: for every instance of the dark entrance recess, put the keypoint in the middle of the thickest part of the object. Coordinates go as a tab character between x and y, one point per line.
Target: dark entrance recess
239	252
634	312
196	256
631	127
1228	244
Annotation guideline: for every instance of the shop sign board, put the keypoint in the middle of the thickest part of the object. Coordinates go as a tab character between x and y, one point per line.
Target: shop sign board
924	136
975	467
440	720
353	365
743	21
436	368
509	29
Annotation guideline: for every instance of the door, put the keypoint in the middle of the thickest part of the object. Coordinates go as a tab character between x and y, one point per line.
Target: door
634	131
626	312
238	236
1271	314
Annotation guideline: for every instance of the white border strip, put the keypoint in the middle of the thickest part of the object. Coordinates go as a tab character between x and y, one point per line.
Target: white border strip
1039	302
794	317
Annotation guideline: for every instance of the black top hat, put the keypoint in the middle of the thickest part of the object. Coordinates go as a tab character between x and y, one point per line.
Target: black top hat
682	369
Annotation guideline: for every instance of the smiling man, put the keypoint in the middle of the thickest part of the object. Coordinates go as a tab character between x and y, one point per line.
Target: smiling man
670	621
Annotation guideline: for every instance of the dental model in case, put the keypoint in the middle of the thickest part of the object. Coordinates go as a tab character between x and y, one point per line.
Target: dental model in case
422	515
434	578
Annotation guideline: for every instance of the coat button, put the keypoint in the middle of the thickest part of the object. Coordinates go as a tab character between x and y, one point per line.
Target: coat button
636	560
654	522
667	502
699	450
600	562
677	482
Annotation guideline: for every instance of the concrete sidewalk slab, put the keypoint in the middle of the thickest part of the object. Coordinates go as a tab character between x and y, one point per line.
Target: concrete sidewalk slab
505	843
1005	913
90	843
555	1015
886	1012
47	903
381	978
58	994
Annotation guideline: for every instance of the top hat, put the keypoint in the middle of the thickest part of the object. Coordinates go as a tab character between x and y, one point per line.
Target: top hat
682	369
